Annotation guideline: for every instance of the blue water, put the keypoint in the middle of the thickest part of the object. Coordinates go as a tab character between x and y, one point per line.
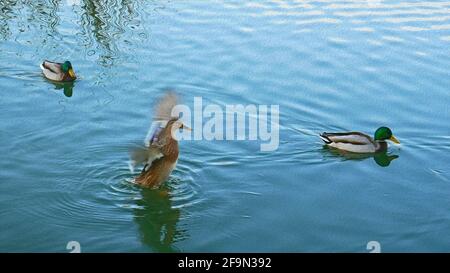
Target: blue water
329	65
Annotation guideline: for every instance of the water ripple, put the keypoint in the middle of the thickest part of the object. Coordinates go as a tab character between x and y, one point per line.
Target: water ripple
329	65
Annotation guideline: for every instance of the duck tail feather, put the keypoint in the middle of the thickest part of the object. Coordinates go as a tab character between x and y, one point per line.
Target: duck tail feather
325	138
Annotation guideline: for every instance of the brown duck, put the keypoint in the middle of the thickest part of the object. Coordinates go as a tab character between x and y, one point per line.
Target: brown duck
161	154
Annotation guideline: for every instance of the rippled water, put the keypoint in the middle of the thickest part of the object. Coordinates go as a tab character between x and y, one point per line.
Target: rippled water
329	65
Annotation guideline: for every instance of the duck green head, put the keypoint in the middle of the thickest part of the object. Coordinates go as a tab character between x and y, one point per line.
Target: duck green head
67	68
384	133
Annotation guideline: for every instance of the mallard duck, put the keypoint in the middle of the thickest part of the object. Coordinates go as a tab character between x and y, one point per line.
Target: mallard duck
161	154
58	72
357	142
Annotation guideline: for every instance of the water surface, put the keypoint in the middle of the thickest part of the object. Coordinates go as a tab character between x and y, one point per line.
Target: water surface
329	65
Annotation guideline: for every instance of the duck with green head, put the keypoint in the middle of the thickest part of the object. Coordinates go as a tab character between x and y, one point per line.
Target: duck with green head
58	72
357	142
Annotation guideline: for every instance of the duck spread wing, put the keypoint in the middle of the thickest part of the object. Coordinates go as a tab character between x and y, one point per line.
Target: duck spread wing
163	109
145	155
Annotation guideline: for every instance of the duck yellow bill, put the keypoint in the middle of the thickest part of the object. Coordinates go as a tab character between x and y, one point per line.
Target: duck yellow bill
393	139
71	73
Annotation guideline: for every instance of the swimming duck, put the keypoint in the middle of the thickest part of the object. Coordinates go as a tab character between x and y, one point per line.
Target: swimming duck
357	142
59	72
161	154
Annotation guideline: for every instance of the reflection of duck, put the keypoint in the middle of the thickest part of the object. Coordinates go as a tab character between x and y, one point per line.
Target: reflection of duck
67	86
58	72
157	220
161	155
357	142
383	159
